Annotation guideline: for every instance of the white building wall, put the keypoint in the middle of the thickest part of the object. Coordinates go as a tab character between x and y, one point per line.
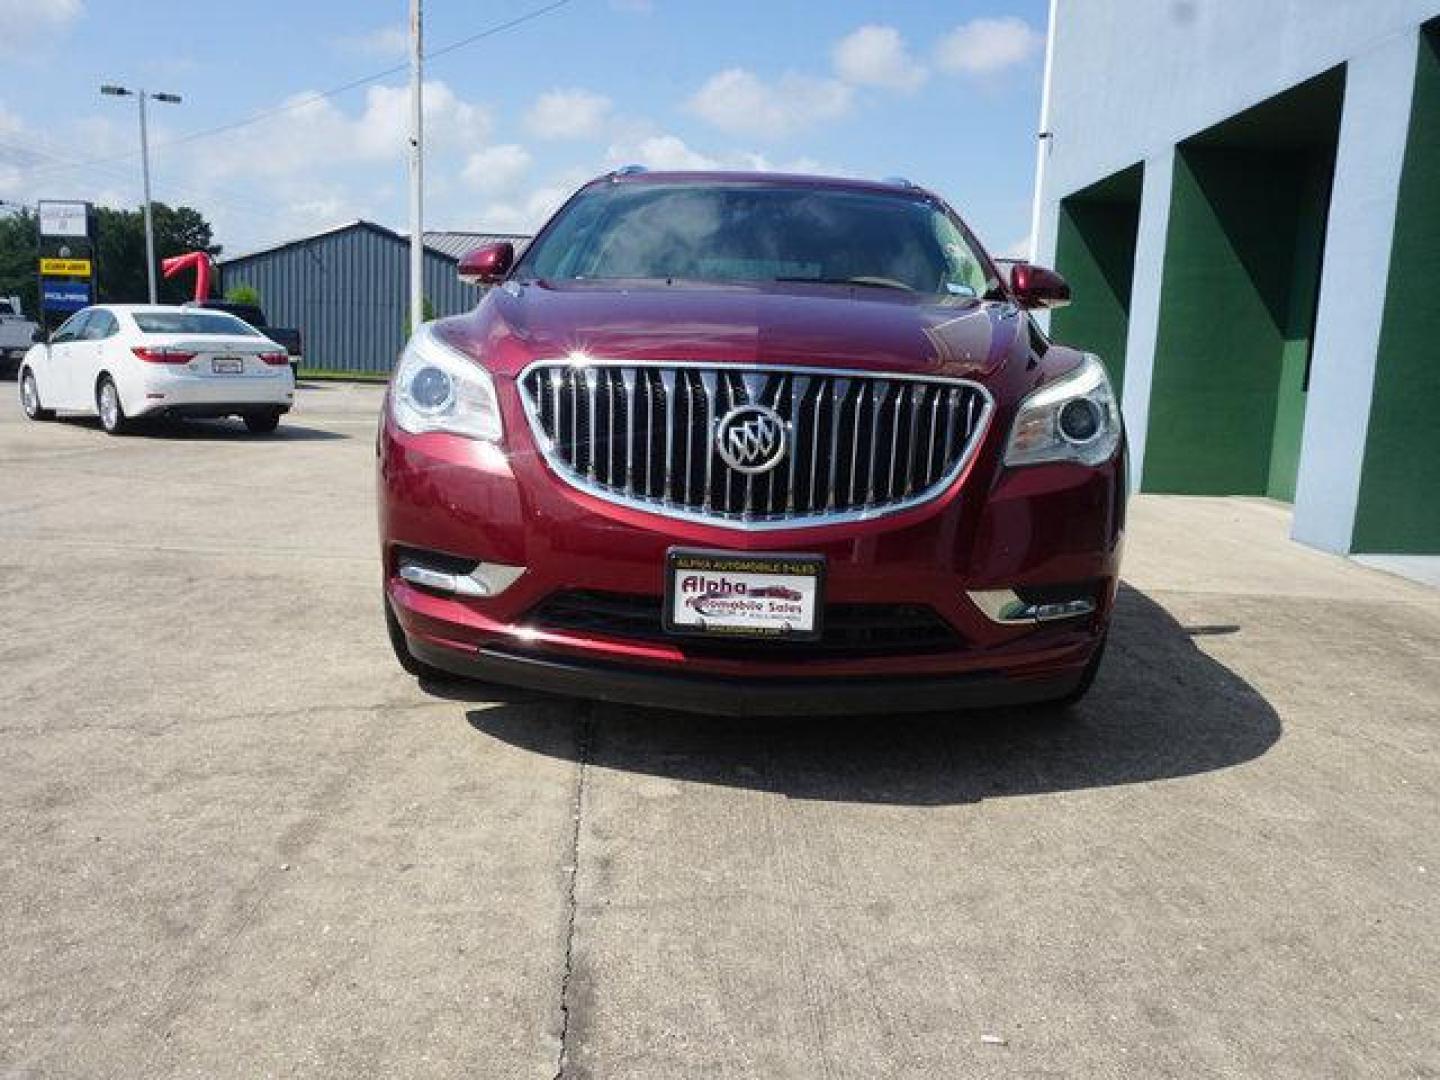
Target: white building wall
1379	86
1132	78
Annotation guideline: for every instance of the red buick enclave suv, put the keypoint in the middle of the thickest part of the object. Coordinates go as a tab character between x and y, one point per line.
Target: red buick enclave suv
751	443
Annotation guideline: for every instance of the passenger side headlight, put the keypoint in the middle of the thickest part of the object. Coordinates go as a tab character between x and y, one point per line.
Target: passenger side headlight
1074	418
437	388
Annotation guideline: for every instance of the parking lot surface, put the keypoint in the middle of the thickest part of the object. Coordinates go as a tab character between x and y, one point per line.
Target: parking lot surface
235	840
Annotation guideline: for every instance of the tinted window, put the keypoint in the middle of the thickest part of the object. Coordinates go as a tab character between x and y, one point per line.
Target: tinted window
192	322
71	328
6	308
101	324
758	232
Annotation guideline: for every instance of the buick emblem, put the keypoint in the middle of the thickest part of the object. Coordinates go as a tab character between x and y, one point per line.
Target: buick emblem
751	438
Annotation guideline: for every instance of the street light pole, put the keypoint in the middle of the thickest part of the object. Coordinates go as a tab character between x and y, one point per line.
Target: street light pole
141	95
149	223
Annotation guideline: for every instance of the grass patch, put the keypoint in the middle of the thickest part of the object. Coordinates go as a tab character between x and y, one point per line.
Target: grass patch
326	375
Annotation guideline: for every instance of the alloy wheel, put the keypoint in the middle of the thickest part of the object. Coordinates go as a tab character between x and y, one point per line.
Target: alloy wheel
109	406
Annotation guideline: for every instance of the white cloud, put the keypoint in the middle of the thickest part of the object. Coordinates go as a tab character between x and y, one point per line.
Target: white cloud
28	23
497	169
663	152
739	102
314	134
985	46
528	213
876	56
568	114
390	41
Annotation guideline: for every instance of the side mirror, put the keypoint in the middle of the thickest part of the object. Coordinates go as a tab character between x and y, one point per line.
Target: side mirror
1038	286
39	336
487	265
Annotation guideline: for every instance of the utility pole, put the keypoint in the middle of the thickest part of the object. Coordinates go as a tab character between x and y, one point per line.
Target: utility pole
140	95
1043	138
417	169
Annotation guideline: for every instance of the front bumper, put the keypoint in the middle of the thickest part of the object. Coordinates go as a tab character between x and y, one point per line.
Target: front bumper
1041	525
730	696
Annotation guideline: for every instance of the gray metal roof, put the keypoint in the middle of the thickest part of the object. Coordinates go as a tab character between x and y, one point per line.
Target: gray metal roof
449	244
455	244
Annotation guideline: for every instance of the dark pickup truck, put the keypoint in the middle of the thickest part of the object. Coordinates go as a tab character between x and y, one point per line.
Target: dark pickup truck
255	316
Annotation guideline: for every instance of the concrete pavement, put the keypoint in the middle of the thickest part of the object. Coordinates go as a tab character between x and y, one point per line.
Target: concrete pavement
235	840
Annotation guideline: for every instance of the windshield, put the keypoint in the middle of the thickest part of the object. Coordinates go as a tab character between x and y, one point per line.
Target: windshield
192	322
757	232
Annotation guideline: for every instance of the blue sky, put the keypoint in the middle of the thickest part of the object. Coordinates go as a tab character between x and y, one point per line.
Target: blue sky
945	93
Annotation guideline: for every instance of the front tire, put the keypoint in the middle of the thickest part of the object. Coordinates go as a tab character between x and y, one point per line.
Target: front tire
30	398
262	423
107	404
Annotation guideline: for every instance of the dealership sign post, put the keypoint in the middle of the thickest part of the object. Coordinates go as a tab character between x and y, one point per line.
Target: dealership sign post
67	258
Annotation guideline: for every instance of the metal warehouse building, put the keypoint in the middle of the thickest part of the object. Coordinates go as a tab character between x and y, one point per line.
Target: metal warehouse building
346	289
1246	200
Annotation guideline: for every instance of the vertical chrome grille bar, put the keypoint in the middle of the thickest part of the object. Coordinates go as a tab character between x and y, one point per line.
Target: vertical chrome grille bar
855	437
838	389
557	377
970	417
707	445
952	400
912	451
877	407
609	377
798	385
892	481
573	383
931	468
649	430
667	381
627	379
812	495
687	439
592	387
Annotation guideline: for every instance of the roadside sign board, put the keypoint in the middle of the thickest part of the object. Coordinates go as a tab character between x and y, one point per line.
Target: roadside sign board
64	295
64	218
65	267
67	258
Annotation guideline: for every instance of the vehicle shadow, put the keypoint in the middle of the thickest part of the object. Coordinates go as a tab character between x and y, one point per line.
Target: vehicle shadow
1160	708
212	431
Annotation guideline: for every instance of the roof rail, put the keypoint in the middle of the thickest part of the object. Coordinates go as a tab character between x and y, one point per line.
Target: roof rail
629	170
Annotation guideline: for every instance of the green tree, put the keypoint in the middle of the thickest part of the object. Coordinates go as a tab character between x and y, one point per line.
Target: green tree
19	250
120	251
243	294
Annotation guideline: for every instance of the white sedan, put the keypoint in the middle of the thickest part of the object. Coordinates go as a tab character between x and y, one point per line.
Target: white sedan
121	362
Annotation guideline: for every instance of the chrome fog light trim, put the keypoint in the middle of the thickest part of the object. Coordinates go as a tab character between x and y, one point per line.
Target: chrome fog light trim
1005	606
486	579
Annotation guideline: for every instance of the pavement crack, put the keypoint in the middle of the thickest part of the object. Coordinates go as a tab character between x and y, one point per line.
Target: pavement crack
584	735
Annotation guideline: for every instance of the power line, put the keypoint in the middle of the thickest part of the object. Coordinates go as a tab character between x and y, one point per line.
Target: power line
319	95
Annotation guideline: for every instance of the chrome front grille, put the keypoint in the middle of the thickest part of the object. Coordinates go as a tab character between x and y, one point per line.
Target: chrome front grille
856	445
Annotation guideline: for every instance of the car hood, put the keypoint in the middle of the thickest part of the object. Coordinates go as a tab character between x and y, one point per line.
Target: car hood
813	325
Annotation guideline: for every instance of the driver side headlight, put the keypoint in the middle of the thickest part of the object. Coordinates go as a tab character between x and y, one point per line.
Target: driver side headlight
437	388
1074	418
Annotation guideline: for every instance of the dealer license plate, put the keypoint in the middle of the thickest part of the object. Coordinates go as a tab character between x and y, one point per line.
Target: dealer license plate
735	594
227	365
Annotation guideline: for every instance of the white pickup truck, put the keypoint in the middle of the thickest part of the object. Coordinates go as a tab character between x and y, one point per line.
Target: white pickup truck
16	331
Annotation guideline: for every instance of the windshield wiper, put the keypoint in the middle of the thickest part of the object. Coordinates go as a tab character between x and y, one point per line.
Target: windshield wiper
866	282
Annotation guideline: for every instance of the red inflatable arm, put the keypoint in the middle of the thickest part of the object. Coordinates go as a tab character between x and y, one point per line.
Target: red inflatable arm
202	264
